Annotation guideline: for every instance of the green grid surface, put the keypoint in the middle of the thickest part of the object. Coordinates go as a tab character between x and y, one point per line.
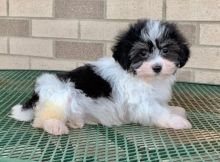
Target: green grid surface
19	141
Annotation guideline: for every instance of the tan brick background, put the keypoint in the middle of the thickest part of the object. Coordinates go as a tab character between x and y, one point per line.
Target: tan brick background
63	34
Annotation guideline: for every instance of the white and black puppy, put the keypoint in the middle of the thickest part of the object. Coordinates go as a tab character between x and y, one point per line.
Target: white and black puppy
132	87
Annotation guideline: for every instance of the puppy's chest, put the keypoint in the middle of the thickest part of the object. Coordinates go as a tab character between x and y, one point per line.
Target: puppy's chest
162	91
139	93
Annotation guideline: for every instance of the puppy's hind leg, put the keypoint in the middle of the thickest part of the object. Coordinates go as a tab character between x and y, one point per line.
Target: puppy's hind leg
52	110
55	127
51	117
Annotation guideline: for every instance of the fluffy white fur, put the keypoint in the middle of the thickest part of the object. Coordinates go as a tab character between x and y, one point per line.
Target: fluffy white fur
133	101
21	115
154	30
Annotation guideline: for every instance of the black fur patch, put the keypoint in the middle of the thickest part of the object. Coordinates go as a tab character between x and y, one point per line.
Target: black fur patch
176	43
31	103
88	81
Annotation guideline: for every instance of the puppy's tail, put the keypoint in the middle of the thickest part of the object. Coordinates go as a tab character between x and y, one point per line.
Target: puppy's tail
25	112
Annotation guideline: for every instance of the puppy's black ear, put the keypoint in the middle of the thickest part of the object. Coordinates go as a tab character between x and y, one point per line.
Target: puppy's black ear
172	32
120	53
184	54
124	43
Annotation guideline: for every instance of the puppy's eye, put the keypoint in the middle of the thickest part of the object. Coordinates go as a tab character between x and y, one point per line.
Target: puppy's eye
143	53
165	50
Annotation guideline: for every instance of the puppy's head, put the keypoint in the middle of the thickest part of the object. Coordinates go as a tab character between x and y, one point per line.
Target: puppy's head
151	48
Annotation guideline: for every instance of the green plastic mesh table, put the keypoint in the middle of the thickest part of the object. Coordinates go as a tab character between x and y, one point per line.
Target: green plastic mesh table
19	141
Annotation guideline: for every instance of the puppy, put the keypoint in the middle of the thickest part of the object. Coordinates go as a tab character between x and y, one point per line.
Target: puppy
132	87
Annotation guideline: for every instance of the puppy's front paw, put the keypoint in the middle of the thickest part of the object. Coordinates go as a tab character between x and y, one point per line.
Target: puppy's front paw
178	110
178	122
55	127
174	121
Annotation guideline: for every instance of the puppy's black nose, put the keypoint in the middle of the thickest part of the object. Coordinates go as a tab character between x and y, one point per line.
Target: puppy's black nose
157	68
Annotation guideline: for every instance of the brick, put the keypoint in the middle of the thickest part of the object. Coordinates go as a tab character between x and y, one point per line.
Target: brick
14	62
96	30
31	8
3	45
52	64
78	50
198	10
55	28
14	27
3	8
134	9
108	49
210	34
204	57
85	9
185	75
205	76
189	31
31	47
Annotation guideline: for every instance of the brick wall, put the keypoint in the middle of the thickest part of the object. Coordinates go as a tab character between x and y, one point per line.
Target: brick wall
62	34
